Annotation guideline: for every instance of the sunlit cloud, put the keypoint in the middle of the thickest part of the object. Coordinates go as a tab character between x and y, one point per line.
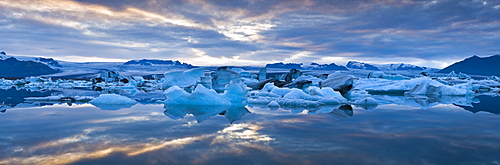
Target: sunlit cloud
202	59
89	59
238	32
236	136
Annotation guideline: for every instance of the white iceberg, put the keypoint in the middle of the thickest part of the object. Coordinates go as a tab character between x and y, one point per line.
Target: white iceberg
222	77
200	96
367	103
339	82
112	102
234	94
273	104
432	87
285	97
112	99
183	78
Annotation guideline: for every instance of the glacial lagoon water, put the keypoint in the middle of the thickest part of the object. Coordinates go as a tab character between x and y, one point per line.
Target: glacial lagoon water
61	133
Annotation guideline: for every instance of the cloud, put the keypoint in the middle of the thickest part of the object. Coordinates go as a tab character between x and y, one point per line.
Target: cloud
254	31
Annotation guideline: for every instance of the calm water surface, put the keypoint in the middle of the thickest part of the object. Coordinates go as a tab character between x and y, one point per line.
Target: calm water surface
158	134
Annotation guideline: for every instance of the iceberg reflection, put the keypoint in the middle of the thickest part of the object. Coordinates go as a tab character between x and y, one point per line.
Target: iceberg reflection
337	112
203	112
485	103
433	100
9	98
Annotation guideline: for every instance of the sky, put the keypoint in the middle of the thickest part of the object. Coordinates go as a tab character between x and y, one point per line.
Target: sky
432	33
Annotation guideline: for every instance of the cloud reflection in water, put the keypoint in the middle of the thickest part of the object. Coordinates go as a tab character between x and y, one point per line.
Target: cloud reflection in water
389	134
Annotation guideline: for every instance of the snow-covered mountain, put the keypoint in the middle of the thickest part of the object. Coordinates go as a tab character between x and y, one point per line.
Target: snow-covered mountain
281	65
476	65
387	67
151	62
12	67
332	66
361	65
47	61
312	66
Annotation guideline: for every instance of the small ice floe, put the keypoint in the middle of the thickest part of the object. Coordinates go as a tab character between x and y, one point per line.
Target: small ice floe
112	102
273	104
292	97
368	103
61	98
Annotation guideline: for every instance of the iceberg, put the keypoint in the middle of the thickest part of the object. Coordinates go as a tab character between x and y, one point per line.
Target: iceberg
339	82
61	98
234	94
376	74
183	78
391	87
262	74
432	87
109	77
313	96
222	77
260	85
368	103
112	102
200	96
292	75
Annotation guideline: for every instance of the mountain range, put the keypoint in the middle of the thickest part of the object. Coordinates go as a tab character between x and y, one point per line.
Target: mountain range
20	67
312	66
387	67
13	68
476	66
151	62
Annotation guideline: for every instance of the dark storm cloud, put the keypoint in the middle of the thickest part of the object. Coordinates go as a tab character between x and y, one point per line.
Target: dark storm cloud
254	31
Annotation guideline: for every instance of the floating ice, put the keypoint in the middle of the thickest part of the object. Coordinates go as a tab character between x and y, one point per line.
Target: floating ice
376	74
432	87
273	104
61	98
112	102
112	99
200	96
182	78
224	76
339	82
236	93
285	97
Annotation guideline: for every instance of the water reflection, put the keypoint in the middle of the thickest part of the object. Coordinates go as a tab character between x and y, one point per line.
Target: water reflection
423	101
11	97
337	112
201	113
112	107
381	136
429	101
485	103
